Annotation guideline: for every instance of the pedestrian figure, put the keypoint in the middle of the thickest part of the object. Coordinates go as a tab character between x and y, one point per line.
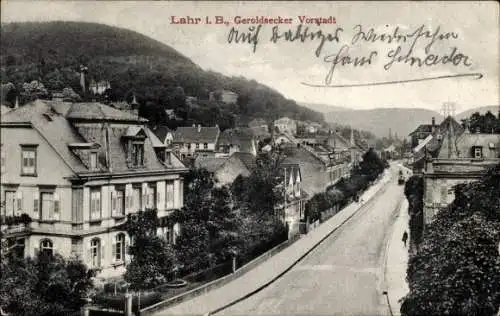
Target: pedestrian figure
405	238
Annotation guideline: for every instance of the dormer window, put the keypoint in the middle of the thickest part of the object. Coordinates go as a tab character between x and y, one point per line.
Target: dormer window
478	152
137	154
93	160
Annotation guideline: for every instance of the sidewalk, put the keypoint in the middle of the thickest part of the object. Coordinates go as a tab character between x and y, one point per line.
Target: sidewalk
397	261
270	270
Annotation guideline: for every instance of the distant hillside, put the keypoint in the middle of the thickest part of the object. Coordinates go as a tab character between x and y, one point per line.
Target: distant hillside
379	121
482	110
323	108
157	74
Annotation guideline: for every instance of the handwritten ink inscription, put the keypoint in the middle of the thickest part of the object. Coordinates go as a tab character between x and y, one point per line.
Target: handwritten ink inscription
415	48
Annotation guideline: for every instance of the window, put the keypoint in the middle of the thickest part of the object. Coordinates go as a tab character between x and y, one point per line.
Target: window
170	195
47	205
95	204
118	203
46	247
93	161
205	146
478	152
188	146
197	145
151	196
28	160
10	203
95	253
137	154
136	199
119	248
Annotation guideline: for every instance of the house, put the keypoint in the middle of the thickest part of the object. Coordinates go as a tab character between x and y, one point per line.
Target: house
164	134
78	170
236	140
421	133
225	96
286	125
315	175
291	210
463	157
429	147
188	140
99	87
227	169
260	128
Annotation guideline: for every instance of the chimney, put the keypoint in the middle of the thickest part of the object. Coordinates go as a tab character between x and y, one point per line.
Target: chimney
433	121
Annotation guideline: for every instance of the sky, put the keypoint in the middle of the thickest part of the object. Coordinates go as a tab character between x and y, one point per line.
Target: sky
469	28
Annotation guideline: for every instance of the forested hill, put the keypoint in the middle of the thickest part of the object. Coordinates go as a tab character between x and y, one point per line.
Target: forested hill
157	74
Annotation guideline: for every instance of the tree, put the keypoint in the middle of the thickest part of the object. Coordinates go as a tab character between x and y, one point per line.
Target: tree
371	165
209	222
46	285
70	95
456	270
486	123
33	91
152	256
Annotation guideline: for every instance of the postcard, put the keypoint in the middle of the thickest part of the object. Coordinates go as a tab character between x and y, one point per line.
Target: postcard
250	158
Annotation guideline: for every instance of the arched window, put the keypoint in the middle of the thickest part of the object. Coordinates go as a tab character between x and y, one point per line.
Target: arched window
119	247
95	253
47	247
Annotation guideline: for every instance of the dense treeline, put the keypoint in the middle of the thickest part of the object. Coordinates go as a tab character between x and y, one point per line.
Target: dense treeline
456	269
156	74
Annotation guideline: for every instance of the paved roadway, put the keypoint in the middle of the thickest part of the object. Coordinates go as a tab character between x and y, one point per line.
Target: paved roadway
343	275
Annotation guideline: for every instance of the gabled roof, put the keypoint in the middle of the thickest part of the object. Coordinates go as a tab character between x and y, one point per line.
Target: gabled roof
211	164
193	134
247	159
461	146
243	137
161	131
55	129
422	128
99	111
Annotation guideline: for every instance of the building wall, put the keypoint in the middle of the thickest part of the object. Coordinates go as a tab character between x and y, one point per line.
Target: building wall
11	139
443	175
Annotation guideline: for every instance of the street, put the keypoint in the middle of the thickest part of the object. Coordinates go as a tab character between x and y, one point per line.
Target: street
343	275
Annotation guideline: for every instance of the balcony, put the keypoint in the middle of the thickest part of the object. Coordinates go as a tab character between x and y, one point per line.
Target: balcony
15	225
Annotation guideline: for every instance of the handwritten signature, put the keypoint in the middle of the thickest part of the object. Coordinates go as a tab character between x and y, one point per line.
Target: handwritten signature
407	50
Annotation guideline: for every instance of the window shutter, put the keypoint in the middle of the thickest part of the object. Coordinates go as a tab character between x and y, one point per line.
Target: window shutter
128	198
89	254
36	214
98	206
113	203
19	208
57	207
113	249
144	192
103	256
